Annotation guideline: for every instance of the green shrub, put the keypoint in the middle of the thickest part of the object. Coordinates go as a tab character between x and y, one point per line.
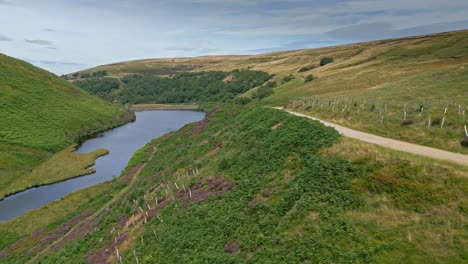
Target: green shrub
288	78
309	78
306	68
326	60
242	100
262	92
271	84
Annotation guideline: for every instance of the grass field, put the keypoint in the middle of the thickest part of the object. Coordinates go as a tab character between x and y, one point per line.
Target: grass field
383	110
252	184
41	115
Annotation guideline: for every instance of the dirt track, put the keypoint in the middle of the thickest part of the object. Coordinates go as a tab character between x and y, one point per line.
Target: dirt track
392	143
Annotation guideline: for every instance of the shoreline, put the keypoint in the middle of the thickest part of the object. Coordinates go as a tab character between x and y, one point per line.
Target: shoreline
128	117
143	107
45	183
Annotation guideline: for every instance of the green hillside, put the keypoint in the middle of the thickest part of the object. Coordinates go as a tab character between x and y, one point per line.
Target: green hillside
42	114
257	185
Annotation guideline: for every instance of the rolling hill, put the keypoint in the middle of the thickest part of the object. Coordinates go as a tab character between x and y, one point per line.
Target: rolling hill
41	115
372	86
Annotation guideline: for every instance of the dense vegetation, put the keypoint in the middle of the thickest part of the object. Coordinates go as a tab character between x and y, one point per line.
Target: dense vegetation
102	87
273	197
42	114
214	86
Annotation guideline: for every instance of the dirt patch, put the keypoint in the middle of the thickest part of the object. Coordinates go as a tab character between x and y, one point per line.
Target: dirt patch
232	247
201	191
128	177
202	124
277	125
229	78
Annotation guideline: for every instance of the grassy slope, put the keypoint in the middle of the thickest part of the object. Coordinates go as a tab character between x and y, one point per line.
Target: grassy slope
425	70
42	115
297	193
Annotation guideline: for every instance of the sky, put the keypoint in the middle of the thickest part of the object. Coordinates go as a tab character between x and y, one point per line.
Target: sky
65	36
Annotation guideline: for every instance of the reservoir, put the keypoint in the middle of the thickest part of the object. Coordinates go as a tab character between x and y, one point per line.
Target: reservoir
122	142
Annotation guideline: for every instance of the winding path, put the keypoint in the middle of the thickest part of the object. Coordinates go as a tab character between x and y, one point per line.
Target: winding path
392	143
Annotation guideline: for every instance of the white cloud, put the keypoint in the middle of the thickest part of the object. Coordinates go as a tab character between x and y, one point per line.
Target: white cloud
39	41
98	32
4	38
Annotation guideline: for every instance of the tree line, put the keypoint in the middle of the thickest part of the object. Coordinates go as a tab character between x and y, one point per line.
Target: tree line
212	86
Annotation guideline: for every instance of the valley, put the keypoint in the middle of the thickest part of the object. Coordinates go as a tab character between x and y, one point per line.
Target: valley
242	182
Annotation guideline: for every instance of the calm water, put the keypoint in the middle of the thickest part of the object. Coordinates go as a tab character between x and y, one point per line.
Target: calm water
122	142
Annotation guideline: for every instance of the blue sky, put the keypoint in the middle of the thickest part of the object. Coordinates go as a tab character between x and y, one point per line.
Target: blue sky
65	36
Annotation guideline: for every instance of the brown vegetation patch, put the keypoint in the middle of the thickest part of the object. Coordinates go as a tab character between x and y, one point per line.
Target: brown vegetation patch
127	116
385	215
152	148
166	136
232	246
200	192
204	189
123	220
43	238
464	142
157	185
82	229
13	248
407	122
229	78
154	177
103	255
128	177
202	124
